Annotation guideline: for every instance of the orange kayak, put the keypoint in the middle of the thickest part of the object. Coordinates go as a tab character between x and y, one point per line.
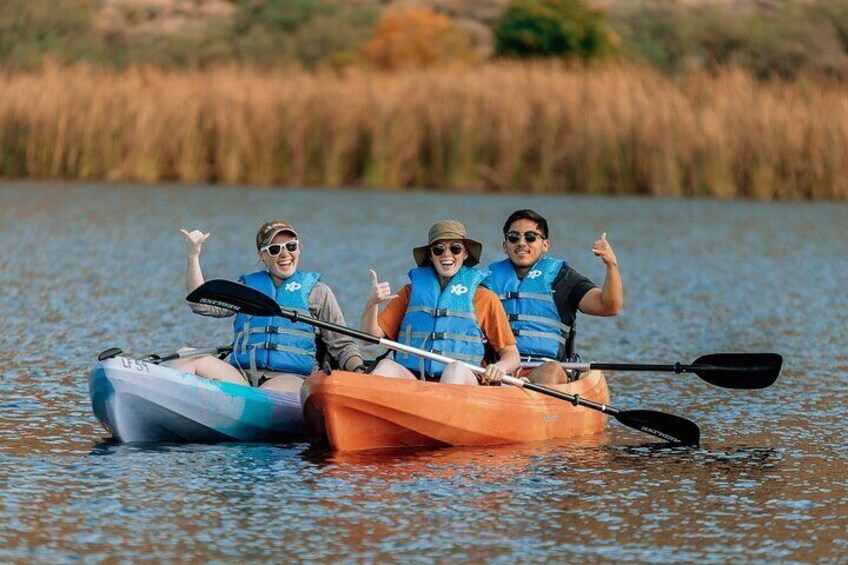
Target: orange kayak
357	411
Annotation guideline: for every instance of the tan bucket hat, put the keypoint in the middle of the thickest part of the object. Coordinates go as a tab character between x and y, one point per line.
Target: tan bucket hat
448	229
269	230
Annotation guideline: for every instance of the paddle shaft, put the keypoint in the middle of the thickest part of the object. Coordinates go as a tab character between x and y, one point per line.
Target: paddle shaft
389	344
742	371
676	368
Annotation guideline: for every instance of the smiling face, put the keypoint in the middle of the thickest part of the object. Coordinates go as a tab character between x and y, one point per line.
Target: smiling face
284	265
524	254
453	255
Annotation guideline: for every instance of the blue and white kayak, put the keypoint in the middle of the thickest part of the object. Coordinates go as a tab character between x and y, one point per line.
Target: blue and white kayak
139	401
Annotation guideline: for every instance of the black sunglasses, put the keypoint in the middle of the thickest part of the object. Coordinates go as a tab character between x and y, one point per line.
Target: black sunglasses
454	248
529	236
276	248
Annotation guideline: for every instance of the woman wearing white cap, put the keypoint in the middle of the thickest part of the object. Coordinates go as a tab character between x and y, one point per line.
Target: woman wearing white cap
444	310
271	352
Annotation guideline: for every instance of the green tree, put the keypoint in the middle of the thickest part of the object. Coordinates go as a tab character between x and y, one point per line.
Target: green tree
553	28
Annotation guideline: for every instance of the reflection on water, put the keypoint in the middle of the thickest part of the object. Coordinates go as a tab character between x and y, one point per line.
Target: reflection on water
84	268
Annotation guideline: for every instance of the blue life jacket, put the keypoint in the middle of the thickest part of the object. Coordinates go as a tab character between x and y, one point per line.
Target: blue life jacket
441	321
529	305
274	343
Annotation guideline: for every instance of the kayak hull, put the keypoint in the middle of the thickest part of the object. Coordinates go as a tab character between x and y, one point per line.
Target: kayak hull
138	401
356	412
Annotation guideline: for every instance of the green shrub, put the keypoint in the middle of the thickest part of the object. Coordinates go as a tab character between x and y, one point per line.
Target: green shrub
790	39
552	28
33	29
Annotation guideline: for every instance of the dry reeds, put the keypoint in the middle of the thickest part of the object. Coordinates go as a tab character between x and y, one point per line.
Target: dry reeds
537	127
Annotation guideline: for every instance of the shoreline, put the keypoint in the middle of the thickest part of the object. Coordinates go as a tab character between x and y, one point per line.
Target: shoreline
505	128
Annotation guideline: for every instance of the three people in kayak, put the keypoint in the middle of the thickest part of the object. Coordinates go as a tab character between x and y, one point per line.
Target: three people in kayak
272	352
542	295
523	309
443	310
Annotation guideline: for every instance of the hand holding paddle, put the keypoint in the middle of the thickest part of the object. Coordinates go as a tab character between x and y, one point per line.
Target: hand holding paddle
493	374
380	291
603	249
194	241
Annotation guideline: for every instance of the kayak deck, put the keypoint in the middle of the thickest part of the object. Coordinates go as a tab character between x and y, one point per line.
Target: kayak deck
357	412
137	401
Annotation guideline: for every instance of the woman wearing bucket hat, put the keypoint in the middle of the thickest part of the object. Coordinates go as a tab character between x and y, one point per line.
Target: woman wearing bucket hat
444	310
272	353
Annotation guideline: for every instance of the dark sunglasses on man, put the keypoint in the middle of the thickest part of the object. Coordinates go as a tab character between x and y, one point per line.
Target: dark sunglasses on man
529	236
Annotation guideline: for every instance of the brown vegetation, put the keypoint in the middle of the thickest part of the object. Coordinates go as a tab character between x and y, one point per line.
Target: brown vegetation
538	127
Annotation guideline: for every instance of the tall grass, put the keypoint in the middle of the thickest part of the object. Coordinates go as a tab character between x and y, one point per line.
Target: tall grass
541	128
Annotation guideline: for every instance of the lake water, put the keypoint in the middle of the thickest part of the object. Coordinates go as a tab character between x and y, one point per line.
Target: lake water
87	267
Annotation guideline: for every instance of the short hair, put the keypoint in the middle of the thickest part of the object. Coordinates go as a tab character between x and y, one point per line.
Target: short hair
531	215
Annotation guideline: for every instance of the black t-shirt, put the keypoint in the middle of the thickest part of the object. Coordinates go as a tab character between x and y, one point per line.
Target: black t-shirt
569	288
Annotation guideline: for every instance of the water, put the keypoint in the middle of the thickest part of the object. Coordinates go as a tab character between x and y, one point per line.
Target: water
83	268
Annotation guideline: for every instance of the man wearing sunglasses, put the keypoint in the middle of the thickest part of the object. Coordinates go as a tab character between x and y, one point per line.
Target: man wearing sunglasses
542	295
444	310
272	353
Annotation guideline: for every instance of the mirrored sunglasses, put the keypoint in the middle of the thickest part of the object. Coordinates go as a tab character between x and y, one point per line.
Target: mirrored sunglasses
275	249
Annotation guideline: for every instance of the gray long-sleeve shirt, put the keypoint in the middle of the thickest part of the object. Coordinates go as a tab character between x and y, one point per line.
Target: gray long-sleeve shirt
323	306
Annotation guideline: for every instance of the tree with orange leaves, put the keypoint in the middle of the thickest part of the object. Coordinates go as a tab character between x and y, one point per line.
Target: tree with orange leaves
416	38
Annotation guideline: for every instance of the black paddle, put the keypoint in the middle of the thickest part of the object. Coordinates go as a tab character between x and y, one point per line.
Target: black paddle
744	371
240	298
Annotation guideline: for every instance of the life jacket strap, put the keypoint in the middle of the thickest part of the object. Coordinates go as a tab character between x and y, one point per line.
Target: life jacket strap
546	335
565	329
530	295
279	330
443	335
443	312
282	348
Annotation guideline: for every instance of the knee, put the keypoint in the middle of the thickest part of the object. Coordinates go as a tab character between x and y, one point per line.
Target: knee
458	374
549	373
389	368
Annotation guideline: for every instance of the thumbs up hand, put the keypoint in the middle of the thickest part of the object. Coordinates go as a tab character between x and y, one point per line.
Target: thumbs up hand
603	249
380	291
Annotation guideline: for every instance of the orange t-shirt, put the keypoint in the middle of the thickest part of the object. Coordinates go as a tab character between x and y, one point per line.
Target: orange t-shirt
490	317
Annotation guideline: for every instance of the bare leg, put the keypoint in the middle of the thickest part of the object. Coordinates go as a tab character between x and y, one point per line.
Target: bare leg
392	369
458	374
208	367
549	373
283	382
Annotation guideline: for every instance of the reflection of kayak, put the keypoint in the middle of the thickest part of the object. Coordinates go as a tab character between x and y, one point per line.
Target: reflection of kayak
358	411
140	401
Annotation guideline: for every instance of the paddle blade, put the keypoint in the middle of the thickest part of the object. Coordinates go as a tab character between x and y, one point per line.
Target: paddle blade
745	371
235	296
669	427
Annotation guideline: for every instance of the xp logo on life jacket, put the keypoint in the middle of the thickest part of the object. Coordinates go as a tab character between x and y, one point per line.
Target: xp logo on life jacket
293	286
534	273
459	289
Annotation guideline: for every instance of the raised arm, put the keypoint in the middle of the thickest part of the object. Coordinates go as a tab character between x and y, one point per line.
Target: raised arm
380	292
608	300
194	245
